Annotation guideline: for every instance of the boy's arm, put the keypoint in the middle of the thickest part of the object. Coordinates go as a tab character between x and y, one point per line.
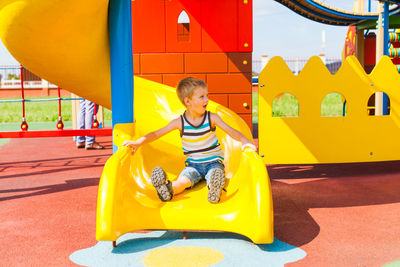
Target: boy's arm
150	137
235	134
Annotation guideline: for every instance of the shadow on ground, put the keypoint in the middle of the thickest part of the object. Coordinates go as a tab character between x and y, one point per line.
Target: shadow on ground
298	188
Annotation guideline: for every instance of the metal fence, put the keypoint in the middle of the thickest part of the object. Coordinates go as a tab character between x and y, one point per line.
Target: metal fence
10	77
297	64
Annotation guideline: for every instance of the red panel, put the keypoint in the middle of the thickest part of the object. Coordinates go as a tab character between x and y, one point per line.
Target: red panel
148	29
245	25
240	103
206	62
219	98
239	62
172	11
161	63
219	22
229	83
370	50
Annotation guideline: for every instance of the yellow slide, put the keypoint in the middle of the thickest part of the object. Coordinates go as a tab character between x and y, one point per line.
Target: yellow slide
66	42
127	201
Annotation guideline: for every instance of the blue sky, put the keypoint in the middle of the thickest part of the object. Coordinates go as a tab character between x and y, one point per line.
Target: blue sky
278	31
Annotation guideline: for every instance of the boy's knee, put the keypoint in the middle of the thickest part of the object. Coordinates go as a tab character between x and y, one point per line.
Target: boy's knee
181	184
183	181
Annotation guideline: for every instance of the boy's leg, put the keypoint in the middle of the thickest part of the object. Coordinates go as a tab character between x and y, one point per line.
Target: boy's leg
90	140
80	140
89	107
216	181
181	184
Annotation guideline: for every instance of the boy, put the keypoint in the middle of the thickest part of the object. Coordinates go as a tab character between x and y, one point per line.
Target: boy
199	141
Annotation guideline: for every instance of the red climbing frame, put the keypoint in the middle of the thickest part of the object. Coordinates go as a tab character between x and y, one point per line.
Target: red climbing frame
60	132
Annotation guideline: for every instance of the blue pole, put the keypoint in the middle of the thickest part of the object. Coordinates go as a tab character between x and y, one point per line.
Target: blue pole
385	48
121	62
369	5
385	28
385	101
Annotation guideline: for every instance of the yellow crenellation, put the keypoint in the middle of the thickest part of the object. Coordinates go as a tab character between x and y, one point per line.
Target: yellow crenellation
311	138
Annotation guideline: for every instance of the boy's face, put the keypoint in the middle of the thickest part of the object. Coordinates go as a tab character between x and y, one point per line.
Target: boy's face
199	100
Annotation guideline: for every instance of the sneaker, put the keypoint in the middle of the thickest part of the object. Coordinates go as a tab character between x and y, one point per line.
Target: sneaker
80	145
94	145
159	181
217	183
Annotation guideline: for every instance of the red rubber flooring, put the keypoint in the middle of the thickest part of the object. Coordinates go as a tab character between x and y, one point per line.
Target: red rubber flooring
340	214
48	193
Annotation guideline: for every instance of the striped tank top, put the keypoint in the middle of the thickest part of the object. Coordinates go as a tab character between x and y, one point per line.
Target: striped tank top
200	143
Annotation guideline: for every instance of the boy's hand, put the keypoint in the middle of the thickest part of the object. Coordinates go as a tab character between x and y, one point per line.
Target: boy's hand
131	144
249	145
150	137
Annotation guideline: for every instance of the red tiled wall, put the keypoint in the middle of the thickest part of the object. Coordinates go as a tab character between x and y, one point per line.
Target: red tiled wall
215	26
161	63
228	75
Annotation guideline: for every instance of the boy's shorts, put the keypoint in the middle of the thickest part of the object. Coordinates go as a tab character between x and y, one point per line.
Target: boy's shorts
196	172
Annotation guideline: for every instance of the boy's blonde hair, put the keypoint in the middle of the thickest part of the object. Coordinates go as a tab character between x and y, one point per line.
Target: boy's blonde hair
186	87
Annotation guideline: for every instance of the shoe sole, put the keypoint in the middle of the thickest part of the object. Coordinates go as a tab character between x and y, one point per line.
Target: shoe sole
158	179
217	183
80	146
94	148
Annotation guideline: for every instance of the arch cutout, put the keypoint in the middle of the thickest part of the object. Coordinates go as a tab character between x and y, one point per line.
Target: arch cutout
183	27
334	105
285	105
383	107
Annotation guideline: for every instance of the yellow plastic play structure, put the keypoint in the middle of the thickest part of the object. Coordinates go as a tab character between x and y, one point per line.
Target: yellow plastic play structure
62	41
311	138
66	43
